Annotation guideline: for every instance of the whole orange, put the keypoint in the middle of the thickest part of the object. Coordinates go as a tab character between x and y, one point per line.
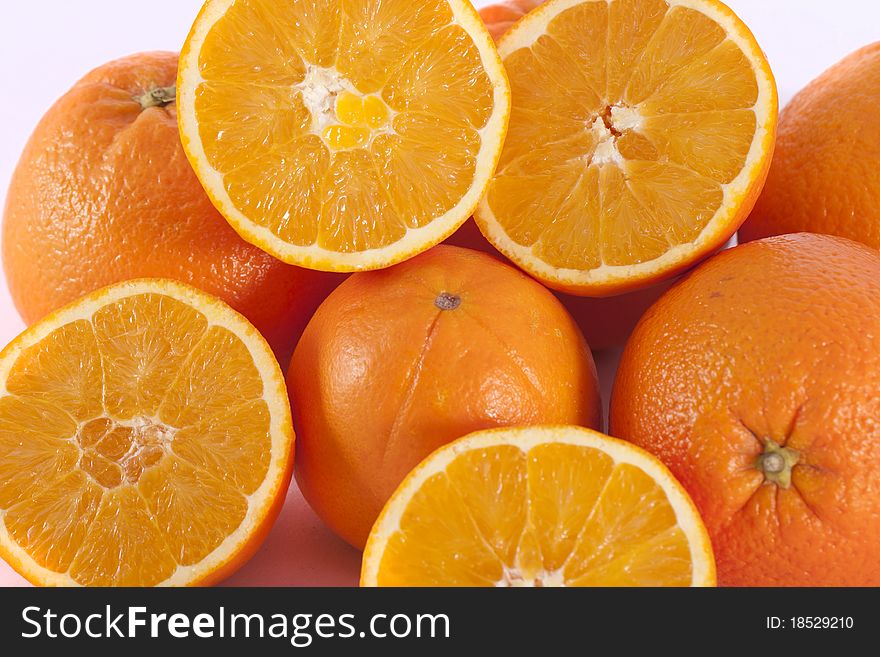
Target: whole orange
757	381
399	362
104	193
825	175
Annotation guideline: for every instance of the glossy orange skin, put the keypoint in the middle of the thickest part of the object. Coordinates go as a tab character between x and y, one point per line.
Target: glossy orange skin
605	322
825	175
500	17
776	339
104	193
383	377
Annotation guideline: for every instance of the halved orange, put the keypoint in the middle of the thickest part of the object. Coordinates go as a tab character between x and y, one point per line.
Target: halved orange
539	506
640	137
342	135
145	439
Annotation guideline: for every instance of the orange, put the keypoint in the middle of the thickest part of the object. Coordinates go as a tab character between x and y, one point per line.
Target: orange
397	363
500	17
343	136
103	193
605	322
539	506
145	439
756	381
640	135
824	177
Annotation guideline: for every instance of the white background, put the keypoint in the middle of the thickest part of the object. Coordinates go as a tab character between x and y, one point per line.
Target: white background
47	45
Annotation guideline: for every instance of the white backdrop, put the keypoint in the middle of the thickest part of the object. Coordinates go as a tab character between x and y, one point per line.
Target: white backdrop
45	46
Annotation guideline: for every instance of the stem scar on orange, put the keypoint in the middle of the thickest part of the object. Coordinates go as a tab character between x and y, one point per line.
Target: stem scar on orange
757	381
103	193
398	362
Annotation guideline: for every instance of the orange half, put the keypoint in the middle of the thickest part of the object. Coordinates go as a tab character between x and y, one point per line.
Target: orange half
539	506
145	439
640	136
342	135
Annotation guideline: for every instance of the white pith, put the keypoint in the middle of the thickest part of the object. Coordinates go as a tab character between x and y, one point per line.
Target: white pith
274	395
523	35
146	433
315	256
320	88
526	439
606	145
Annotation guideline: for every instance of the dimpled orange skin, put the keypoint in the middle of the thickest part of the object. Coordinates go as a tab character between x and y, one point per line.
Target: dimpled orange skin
104	193
606	322
383	376
776	340
500	17
825	175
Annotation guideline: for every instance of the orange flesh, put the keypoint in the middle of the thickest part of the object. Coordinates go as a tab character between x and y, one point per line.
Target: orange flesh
129	450
559	515
313	120
642	113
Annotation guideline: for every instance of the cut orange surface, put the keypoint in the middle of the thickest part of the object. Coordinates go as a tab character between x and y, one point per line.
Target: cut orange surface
640	136
342	135
145	439
539	506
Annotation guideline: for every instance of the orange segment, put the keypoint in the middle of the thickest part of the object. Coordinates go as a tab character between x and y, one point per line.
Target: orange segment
145	439
138	363
193	510
63	370
69	506
539	506
437	150
240	125
641	134
227	446
298	118
377	36
218	374
123	546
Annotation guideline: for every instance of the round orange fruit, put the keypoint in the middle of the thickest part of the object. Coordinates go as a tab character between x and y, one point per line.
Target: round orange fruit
825	175
399	362
640	136
756	380
342	136
104	193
